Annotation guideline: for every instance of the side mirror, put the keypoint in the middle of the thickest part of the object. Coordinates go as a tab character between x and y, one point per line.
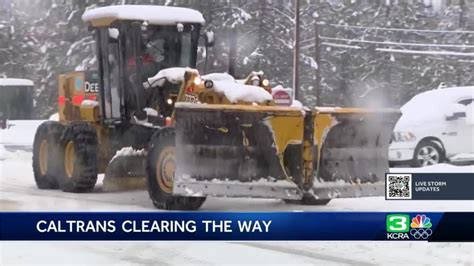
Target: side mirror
209	38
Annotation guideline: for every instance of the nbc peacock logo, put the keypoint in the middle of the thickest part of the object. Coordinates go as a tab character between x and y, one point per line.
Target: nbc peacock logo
421	227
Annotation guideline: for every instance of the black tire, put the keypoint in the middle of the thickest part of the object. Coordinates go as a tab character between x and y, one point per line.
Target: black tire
49	132
431	152
162	141
309	200
83	139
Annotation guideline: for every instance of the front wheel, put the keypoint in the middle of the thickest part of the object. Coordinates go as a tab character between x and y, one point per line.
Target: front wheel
427	153
161	166
47	163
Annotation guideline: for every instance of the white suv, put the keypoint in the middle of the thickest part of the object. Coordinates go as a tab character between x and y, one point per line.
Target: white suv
435	126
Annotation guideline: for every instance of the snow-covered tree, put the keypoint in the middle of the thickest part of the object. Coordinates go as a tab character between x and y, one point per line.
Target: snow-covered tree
366	64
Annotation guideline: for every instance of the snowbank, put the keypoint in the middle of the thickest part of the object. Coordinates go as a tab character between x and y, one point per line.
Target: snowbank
239	92
155	15
12	154
19	133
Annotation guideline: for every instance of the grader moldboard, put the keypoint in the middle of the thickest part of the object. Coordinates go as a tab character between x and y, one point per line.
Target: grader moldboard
197	135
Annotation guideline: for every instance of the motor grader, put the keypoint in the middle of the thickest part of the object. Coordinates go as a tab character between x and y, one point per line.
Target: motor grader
192	135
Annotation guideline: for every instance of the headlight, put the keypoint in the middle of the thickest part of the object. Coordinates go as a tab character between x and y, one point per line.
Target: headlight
265	82
403	136
197	81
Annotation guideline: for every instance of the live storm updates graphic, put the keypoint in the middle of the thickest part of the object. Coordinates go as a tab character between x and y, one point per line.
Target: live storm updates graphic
399	227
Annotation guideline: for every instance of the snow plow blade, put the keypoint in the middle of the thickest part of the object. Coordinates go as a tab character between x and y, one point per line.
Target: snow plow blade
352	146
125	173
280	152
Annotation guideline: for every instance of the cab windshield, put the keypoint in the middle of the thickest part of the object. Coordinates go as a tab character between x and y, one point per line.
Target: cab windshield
165	47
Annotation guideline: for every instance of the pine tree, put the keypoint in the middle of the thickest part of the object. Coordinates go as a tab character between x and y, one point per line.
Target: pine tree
40	39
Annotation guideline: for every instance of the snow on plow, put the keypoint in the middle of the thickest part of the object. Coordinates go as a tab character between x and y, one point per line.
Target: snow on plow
281	152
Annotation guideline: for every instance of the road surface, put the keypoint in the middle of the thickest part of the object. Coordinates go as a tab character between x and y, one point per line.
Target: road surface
19	193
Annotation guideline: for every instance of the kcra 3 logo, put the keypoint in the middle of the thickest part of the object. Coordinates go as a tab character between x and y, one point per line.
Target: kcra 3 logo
401	227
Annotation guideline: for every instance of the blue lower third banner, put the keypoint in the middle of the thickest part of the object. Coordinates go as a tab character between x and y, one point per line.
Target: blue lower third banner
279	226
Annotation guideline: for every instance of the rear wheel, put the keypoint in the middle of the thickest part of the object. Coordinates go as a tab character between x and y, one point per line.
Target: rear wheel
427	153
47	161
79	150
161	166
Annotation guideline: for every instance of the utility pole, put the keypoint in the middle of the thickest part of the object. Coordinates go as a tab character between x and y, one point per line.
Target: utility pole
462	5
317	55
232	51
232	38
296	55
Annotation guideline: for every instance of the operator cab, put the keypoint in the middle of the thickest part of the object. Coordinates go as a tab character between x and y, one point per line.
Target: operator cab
135	42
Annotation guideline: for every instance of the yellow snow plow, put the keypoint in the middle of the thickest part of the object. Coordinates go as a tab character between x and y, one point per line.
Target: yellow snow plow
143	121
307	156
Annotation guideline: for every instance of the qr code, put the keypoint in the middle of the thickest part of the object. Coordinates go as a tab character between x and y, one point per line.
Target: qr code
398	186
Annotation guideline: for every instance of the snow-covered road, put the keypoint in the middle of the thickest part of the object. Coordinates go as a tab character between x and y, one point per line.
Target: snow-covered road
236	253
19	193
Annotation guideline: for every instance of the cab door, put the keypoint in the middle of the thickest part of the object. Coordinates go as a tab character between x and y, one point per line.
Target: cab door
109	62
